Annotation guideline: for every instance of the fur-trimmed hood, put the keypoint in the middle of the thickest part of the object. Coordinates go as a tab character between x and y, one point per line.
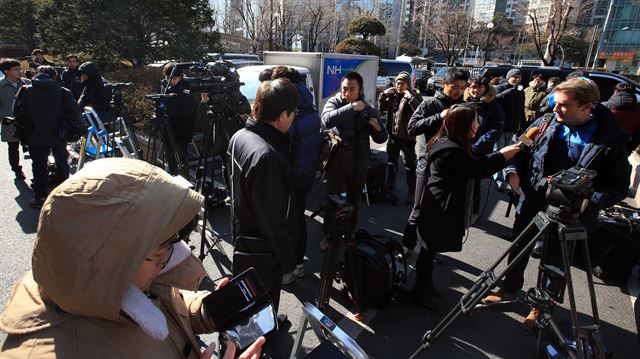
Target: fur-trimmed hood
487	98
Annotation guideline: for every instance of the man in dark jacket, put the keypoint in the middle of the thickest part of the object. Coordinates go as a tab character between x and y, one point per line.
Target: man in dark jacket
261	187
353	120
38	59
626	110
424	124
95	93
304	139
400	102
581	133
71	78
9	86
39	108
181	113
510	96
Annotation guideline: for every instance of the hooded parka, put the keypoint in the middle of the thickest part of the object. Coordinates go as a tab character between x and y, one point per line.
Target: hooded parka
94	232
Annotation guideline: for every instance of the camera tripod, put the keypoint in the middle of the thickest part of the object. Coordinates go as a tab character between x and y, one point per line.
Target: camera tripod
123	136
217	111
161	136
550	287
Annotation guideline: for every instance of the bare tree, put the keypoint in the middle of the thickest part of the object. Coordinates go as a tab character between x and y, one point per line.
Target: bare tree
450	29
248	13
546	35
318	21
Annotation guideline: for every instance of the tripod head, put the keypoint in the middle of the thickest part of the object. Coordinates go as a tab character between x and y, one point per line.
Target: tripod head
568	193
117	101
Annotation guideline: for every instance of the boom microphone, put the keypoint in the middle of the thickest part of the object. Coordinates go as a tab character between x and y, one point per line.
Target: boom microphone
526	140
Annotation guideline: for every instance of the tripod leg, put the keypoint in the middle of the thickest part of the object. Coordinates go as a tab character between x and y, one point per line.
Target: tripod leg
567	261
328	273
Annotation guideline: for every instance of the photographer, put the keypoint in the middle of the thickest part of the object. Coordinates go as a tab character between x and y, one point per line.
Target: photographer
95	93
117	282
580	133
445	208
39	109
38	59
71	77
181	111
400	102
9	86
353	120
260	175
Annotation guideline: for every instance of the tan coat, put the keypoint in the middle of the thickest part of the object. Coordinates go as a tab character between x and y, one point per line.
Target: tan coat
93	234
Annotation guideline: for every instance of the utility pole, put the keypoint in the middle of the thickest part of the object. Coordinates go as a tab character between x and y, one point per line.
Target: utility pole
604	29
593	42
400	24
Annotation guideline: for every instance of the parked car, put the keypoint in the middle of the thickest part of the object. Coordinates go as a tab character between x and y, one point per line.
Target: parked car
249	78
243	63
435	82
606	81
422	76
229	56
388	70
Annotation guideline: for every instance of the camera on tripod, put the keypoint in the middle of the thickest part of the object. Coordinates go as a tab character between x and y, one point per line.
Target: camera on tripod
222	80
339	212
570	189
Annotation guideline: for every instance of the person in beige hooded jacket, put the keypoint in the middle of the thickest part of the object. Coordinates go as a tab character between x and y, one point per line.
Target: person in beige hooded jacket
111	277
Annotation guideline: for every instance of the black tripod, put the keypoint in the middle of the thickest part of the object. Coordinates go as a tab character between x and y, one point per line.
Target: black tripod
217	112
130	148
161	135
550	287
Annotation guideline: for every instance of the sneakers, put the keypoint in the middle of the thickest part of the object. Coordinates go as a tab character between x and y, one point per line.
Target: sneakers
36	203
531	321
299	271
288	278
500	296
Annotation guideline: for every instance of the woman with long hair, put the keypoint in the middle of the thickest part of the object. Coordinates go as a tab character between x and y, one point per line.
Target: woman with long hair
446	201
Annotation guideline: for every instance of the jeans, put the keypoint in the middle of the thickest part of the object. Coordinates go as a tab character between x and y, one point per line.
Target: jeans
301	186
39	155
408	149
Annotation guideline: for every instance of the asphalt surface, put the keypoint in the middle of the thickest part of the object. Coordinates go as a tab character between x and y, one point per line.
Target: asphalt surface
395	331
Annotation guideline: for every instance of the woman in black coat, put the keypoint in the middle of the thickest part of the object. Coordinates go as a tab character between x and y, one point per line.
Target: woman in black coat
446	204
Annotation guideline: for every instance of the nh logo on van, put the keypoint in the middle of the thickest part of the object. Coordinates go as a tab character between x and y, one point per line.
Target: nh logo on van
335	69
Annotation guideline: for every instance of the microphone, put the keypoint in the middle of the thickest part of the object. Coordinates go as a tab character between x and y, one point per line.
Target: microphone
526	140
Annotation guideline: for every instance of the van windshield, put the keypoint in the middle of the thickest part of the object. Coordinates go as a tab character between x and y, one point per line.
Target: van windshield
251	84
393	68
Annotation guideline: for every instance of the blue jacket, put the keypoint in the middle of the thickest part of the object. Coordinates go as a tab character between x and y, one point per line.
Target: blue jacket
304	134
606	152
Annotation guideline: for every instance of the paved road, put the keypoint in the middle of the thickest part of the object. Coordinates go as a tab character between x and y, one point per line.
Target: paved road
394	332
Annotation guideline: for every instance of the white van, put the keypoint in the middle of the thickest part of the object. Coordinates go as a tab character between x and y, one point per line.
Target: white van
249	76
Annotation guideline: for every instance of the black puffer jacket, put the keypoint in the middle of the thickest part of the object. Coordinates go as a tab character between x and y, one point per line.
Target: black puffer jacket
39	108
354	130
512	101
71	81
95	93
447	200
426	121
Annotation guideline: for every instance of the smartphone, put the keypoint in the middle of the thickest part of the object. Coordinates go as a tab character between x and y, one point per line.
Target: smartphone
242	310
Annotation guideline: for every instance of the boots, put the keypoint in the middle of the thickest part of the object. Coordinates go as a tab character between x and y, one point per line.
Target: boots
390	184
411	185
19	174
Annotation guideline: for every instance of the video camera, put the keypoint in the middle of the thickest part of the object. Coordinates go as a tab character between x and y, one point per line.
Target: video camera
570	189
222	78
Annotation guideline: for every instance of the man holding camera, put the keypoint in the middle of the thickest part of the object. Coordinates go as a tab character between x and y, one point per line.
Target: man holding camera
9	86
400	102
71	78
353	121
581	133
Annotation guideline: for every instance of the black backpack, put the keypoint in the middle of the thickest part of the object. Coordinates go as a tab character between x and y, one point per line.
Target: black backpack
374	269
375	179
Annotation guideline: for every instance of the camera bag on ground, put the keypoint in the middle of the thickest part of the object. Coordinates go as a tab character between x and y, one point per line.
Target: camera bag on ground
379	266
614	246
375	179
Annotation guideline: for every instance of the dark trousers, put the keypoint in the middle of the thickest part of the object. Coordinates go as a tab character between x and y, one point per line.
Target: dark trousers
424	268
14	156
353	185
408	149
39	155
301	187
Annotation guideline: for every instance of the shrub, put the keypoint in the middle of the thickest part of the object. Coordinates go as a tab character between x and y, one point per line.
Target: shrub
357	46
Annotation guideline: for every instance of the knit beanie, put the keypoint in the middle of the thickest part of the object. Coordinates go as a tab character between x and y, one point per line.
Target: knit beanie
404	76
514	72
